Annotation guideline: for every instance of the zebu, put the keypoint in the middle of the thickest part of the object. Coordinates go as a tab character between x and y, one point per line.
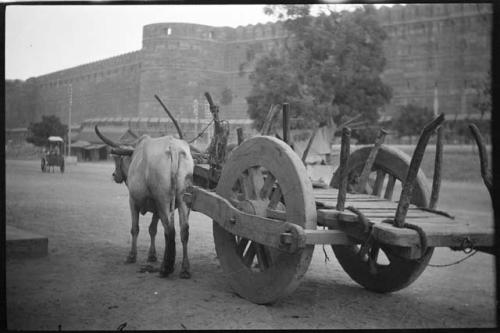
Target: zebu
156	172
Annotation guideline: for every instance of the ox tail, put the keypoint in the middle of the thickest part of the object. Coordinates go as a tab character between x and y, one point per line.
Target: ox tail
174	158
188	181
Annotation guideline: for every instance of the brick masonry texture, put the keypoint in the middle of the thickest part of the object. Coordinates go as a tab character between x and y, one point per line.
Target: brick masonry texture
430	46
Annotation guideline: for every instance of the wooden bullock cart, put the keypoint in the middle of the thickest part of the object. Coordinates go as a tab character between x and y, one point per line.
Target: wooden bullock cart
267	217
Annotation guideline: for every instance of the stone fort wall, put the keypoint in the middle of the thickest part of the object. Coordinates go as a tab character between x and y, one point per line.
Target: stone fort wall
432	48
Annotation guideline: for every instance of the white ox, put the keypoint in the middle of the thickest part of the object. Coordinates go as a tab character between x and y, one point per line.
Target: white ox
156	172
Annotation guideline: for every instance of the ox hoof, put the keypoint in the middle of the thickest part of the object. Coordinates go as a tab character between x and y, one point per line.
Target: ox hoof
130	260
152	258
185	275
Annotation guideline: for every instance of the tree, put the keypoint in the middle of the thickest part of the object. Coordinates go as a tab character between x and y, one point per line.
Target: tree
330	67
49	126
226	96
482	100
411	120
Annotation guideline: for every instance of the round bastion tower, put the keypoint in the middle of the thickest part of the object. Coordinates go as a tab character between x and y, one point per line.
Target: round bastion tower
180	62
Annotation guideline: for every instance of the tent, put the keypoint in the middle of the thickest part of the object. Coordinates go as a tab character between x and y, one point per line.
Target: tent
320	149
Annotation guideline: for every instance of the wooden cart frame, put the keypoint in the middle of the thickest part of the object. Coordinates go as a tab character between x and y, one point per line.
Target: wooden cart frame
266	212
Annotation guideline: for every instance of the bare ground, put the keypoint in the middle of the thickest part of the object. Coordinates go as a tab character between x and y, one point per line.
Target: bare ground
83	284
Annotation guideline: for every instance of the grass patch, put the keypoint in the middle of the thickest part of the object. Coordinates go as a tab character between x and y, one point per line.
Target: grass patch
461	166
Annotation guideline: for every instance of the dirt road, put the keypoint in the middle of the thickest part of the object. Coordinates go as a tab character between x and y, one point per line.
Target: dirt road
83	284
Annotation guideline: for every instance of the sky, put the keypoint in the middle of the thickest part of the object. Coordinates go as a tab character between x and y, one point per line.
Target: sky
44	39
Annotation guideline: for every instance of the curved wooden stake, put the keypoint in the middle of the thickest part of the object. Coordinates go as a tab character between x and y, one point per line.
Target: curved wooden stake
266	127
365	174
286	123
389	190
239	132
483	157
416	160
344	159
309	144
438	162
181	136
214	109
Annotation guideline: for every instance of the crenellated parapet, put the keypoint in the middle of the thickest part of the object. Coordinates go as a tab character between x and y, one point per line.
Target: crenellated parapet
198	32
421	13
429	46
91	70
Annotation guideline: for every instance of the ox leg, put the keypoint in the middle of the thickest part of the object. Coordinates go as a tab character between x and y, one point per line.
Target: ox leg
168	263
184	225
131	258
153	227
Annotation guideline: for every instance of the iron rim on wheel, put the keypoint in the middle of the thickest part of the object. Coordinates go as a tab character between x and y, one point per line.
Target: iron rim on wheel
389	271
264	172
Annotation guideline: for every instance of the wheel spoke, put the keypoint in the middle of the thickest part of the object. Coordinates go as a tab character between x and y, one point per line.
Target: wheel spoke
262	256
374	251
249	255
267	187
240	247
245	186
379	182
256	179
390	187
275	198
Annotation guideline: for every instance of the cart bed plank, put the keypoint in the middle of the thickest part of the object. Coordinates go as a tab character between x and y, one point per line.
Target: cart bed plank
440	230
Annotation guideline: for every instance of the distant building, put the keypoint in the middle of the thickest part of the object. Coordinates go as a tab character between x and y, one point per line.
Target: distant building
431	47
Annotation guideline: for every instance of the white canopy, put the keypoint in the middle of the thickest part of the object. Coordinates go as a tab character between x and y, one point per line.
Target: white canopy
55	138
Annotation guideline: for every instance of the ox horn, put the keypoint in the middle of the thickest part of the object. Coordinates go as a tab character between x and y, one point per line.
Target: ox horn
117	149
176	124
107	141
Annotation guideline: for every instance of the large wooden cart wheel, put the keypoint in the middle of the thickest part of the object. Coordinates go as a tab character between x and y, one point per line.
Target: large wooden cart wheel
263	172
391	272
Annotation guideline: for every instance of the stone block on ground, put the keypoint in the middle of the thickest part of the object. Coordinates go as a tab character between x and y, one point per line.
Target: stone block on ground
24	244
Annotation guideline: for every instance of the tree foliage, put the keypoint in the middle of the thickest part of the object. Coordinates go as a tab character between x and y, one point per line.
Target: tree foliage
226	96
411	120
49	126
329	68
482	100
